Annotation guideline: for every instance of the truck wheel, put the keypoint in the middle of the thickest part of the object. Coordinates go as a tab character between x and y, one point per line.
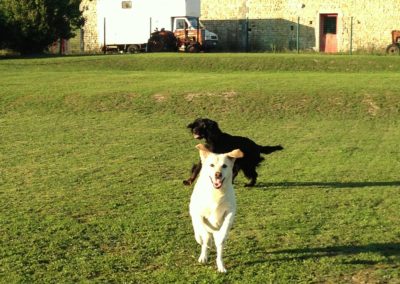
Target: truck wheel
133	48
393	49
193	48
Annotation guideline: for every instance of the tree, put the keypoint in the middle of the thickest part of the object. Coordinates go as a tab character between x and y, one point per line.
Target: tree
32	25
3	29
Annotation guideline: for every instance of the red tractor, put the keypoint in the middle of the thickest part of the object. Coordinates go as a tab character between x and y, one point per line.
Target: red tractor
187	34
394	48
162	41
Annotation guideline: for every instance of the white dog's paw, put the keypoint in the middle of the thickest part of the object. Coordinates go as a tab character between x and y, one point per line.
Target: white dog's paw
220	266
222	269
203	258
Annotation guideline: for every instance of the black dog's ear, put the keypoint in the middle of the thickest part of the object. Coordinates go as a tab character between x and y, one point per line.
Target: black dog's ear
195	123
211	124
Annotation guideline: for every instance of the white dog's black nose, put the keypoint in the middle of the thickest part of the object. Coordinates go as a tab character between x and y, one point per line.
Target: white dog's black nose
218	175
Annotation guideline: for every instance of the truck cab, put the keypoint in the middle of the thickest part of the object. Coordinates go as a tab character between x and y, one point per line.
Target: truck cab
191	34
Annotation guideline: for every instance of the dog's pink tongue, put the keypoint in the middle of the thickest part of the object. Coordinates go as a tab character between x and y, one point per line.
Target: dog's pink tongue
218	183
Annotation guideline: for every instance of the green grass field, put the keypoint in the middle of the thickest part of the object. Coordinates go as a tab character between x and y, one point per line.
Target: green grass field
93	151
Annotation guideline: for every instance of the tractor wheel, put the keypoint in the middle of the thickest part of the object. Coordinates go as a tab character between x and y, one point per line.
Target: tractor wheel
133	48
156	44
393	49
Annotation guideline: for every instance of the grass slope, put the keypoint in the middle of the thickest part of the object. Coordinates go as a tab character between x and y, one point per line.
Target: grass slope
93	151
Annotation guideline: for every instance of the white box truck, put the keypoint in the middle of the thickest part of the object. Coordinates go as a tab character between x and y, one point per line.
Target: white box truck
152	25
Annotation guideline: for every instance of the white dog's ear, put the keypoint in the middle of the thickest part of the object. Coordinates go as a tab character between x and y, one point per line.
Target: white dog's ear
235	154
204	152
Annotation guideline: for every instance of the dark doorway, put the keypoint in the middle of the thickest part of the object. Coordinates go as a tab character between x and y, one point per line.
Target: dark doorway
328	31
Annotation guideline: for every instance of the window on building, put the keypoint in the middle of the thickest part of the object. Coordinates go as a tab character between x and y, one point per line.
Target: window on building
330	25
126	4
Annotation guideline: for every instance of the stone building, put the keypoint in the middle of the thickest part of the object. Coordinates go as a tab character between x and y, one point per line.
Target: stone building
269	25
320	25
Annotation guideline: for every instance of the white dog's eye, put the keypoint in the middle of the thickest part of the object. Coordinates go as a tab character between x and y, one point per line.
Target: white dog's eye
224	166
212	165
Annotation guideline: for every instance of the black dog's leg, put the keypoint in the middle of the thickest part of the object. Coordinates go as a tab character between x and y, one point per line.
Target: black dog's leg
195	172
252	175
235	171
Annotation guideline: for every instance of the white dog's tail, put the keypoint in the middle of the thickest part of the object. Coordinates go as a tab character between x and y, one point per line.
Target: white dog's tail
227	223
209	227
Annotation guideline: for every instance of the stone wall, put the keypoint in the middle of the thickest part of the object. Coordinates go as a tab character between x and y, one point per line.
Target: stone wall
90	37
272	24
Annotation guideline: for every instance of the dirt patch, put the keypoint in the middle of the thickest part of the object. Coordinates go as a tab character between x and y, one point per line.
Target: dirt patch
74	101
159	98
372	108
364	277
191	96
229	95
336	101
225	95
23	101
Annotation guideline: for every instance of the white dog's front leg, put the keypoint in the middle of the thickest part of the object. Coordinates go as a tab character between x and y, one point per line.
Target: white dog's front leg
221	235
204	247
219	239
204	254
220	262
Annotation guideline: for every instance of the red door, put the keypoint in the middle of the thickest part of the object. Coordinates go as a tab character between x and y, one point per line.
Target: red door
328	29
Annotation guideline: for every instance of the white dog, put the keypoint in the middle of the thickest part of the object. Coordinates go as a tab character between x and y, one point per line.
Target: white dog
213	204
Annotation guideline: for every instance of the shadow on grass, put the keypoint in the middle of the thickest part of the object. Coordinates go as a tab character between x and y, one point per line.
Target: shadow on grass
329	184
383	249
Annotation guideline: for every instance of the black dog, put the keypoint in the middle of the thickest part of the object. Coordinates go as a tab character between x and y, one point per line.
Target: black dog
220	142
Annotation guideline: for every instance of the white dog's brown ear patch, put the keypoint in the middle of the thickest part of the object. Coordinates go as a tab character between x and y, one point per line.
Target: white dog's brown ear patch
236	154
203	150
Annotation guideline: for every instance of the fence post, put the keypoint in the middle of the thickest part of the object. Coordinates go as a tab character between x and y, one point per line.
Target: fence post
104	38
351	35
151	26
81	41
246	26
298	35
60	46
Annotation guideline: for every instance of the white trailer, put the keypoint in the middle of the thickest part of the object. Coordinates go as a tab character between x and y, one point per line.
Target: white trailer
127	26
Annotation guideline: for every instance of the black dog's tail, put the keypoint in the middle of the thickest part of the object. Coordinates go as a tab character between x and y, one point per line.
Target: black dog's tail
270	149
